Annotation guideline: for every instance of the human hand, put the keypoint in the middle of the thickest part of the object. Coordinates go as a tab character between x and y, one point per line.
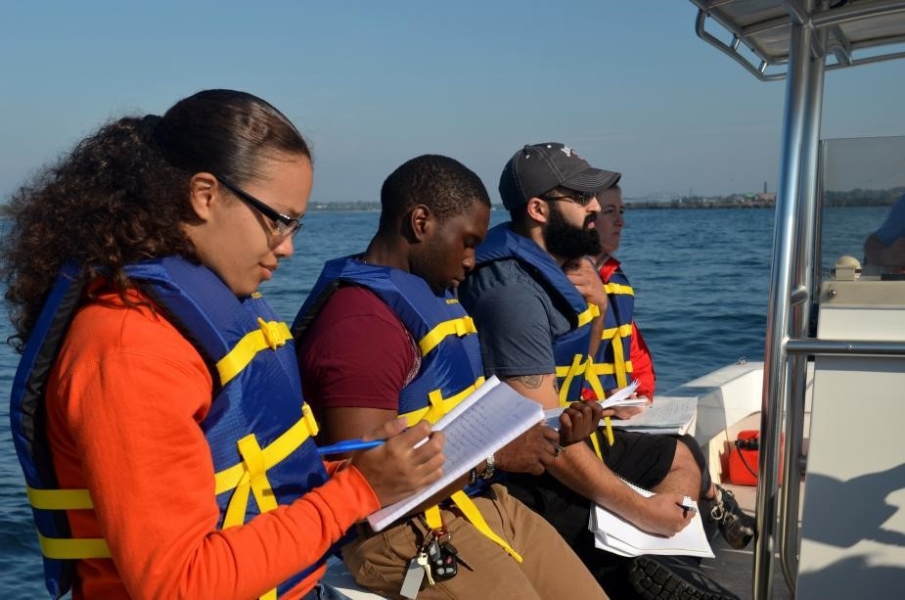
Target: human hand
585	278
661	514
397	469
578	421
532	452
627	412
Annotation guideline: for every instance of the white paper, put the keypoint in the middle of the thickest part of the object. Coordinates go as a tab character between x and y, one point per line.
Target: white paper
492	416
673	413
615	534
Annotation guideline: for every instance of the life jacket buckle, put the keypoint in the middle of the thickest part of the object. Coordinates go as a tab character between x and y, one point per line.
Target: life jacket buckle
272	334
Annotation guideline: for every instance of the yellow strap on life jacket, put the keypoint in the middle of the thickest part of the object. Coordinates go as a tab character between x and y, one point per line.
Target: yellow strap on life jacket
433	518
278	450
595	443
588	315
250	476
254	480
475	517
272	335
59	499
567	374
610	369
66	548
591	376
460	327
618	288
73	548
622	331
439	405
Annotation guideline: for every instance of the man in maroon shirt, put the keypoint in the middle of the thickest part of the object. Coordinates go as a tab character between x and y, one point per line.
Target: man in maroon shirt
362	363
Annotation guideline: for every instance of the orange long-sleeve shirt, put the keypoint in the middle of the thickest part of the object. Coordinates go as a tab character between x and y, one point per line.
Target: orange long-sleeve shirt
125	399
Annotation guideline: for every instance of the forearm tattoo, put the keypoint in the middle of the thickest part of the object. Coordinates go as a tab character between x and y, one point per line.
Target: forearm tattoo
530	381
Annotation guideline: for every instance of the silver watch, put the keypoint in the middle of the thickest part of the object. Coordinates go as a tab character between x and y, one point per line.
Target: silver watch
490	467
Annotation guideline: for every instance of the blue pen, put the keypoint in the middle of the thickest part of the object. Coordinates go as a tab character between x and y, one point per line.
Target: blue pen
348	446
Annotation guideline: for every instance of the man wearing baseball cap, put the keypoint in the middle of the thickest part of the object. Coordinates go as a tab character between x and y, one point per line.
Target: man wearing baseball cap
536	300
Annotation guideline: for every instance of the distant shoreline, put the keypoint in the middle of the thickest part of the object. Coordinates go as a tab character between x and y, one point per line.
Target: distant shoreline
734	202
857	197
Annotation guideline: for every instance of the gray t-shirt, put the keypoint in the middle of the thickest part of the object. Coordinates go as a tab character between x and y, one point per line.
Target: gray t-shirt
516	319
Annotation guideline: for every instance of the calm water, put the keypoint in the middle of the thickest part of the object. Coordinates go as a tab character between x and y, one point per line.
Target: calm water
701	279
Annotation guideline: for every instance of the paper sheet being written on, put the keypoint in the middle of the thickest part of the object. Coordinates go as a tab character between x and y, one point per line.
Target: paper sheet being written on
491	417
667	414
615	534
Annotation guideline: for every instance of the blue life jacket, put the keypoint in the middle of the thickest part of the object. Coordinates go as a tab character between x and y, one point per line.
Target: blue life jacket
257	415
570	350
612	366
451	365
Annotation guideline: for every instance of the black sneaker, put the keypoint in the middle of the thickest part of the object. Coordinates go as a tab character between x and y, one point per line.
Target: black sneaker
736	527
672	577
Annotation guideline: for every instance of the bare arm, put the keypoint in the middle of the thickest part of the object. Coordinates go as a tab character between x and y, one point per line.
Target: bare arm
580	470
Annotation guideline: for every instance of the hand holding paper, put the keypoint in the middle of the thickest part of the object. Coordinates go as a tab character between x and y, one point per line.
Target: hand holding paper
621	397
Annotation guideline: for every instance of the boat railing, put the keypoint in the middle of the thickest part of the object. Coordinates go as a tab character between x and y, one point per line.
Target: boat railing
797	40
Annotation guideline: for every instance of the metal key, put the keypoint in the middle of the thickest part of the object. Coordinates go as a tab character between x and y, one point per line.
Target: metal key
443	564
424	561
448	548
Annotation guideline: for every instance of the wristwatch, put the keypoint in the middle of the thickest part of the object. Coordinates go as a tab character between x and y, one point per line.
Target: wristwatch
490	467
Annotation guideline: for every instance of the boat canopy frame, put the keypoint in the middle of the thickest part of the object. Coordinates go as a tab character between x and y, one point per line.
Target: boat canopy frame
797	40
855	32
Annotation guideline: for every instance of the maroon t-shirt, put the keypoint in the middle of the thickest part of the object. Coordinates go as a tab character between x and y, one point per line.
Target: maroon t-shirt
356	353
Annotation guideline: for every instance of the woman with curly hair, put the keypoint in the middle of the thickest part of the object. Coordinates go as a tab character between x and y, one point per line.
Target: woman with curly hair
157	410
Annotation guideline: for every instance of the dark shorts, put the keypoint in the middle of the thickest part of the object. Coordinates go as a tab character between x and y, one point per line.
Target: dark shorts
640	458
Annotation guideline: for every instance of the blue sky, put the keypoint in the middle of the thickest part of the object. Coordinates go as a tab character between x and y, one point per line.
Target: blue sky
626	83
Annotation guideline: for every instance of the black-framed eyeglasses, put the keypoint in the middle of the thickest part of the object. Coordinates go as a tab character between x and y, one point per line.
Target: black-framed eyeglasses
284	225
579	198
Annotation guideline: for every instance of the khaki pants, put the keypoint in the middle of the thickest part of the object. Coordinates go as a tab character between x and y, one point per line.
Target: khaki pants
550	569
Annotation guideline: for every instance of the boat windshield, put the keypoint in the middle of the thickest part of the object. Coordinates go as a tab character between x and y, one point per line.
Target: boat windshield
860	179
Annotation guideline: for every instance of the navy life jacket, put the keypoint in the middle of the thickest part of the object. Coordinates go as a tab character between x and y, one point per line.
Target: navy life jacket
450	353
570	350
451	367
612	366
257	415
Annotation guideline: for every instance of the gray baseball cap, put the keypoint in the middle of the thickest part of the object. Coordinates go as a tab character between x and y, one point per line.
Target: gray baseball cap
538	168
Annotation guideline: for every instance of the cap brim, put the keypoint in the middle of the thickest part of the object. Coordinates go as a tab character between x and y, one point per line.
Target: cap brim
593	180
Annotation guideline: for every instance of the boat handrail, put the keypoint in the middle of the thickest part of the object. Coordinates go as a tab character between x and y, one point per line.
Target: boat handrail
811	346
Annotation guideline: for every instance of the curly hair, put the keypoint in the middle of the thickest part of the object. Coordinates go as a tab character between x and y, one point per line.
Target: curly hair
123	193
443	184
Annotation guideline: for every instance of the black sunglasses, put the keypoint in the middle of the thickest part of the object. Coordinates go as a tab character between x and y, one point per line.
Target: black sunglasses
284	225
580	198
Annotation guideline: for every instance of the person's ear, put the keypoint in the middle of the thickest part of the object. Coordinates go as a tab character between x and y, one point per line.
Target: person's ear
204	192
422	222
537	210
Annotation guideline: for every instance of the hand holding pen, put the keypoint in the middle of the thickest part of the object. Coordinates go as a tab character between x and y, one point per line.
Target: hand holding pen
688	506
398	462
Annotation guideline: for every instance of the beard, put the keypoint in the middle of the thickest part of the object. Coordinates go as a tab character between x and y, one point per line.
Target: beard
565	240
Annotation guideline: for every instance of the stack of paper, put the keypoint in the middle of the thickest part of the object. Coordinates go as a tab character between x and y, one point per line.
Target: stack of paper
616	535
